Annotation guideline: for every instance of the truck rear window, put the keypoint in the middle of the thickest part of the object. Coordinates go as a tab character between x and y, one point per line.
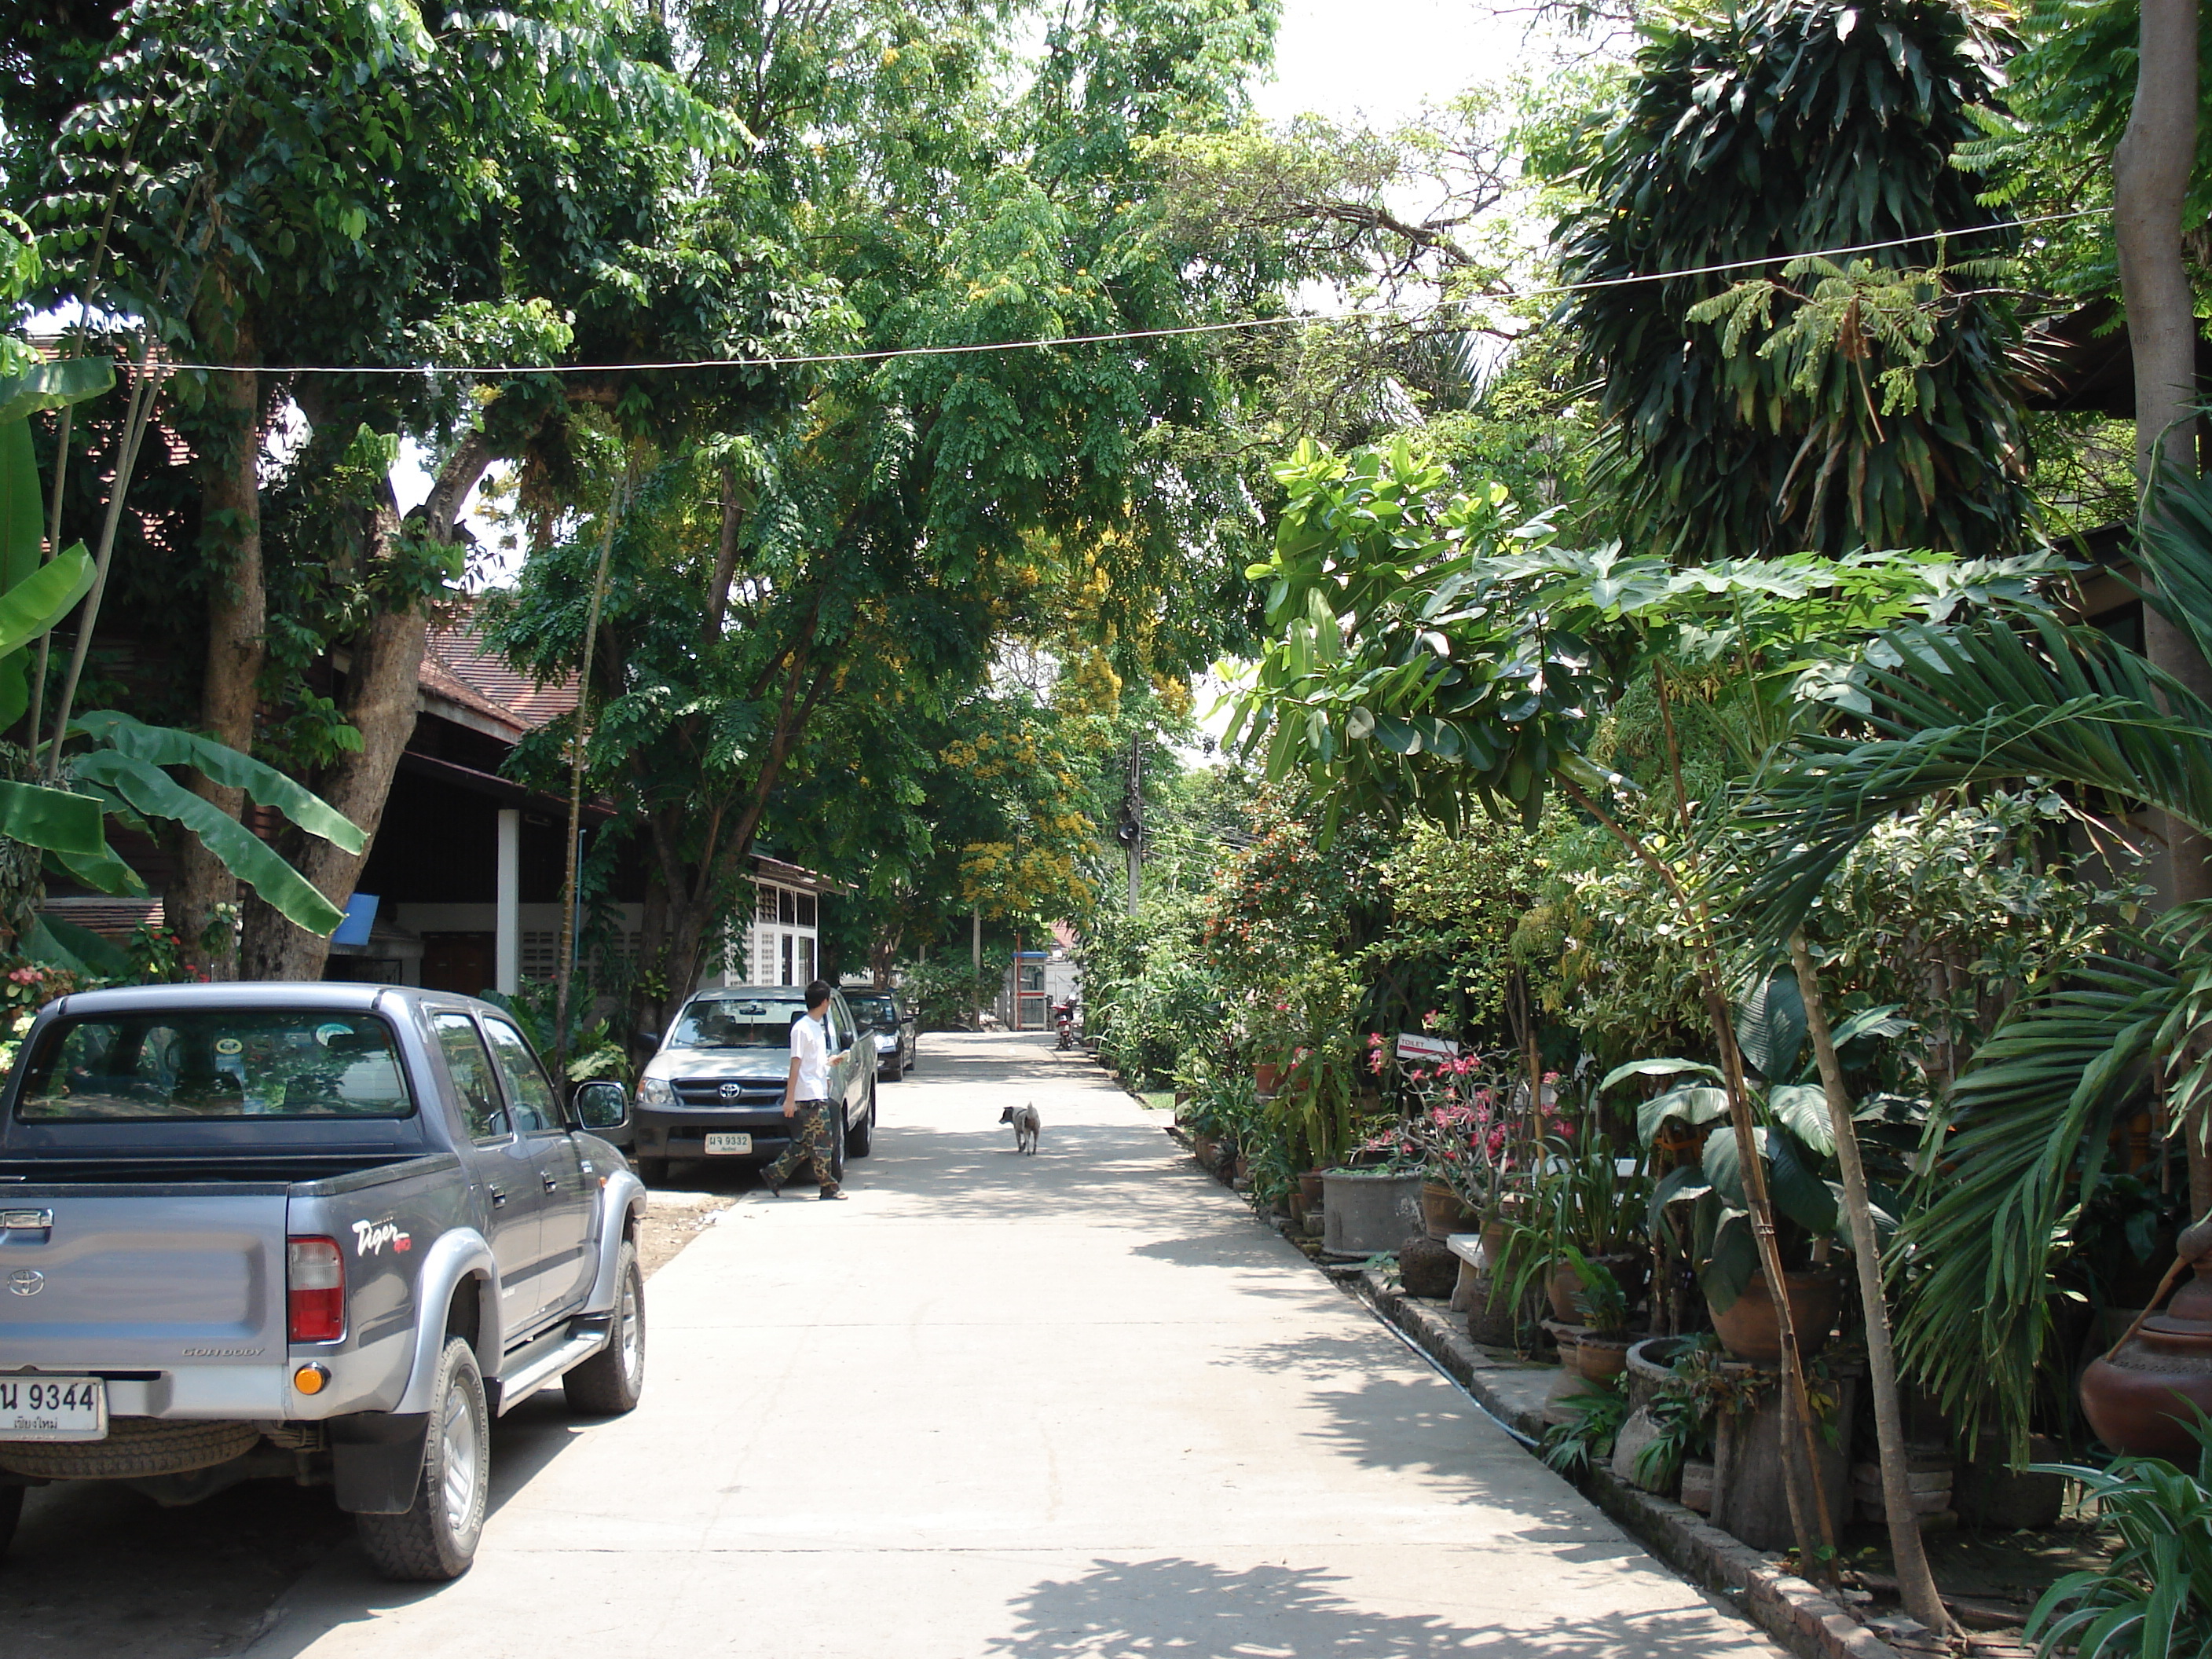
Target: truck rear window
223	1063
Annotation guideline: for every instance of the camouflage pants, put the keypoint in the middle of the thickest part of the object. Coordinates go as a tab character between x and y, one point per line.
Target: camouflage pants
811	1129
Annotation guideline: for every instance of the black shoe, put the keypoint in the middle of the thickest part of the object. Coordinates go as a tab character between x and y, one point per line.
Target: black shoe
774	1188
833	1192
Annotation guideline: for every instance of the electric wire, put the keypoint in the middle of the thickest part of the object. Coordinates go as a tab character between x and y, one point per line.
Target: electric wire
1056	342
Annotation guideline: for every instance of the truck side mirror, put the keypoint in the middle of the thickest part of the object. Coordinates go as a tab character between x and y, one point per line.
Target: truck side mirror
602	1104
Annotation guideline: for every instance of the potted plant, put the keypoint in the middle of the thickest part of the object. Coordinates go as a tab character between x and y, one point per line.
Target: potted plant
1795	1144
1602	1338
1462	1137
1577	1204
1375	1207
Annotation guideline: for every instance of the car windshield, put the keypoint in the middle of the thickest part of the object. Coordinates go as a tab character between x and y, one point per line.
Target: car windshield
876	1012
223	1063
738	1022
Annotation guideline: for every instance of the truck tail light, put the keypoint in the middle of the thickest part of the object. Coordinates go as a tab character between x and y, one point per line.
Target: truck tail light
314	1282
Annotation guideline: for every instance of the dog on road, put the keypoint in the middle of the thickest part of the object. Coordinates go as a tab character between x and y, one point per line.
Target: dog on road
1026	1124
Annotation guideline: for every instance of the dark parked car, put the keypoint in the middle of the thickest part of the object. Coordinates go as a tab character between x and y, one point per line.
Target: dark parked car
885	1015
715	1090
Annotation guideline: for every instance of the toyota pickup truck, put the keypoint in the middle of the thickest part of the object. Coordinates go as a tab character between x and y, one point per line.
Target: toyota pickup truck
321	1233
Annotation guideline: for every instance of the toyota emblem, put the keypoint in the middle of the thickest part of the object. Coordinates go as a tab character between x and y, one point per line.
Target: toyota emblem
26	1281
731	1090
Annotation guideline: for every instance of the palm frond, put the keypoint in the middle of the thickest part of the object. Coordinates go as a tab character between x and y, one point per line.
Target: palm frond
1999	1182
2025	697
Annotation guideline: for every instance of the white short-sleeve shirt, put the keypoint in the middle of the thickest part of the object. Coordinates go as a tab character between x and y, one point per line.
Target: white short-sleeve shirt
809	1047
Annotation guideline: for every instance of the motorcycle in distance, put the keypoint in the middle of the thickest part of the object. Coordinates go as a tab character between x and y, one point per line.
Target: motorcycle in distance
1067	1022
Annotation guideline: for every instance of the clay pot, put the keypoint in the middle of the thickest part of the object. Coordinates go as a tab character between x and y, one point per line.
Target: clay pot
1443	1212
1600	1358
2138	1397
1266	1074
1310	1184
1750	1331
1564	1283
1205	1149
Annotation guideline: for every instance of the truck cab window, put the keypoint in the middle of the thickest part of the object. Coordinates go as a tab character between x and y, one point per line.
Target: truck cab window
529	1096
481	1114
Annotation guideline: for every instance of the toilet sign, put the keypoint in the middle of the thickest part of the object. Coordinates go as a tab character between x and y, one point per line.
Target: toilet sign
1419	1049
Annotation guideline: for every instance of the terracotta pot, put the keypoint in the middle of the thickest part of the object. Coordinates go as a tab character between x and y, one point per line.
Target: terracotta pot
1266	1074
1310	1184
1750	1331
2138	1397
1442	1211
1564	1283
1493	1245
1299	1207
1205	1149
1601	1359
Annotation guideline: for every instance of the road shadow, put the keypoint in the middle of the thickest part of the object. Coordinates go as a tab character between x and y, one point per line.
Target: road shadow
1198	1610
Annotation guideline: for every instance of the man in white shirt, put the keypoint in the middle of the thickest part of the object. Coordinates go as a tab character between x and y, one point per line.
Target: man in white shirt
807	1099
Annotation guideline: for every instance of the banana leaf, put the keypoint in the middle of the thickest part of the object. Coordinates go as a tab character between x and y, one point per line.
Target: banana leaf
154	747
152	793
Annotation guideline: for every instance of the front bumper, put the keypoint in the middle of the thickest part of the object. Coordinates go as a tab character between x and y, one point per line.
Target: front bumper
682	1131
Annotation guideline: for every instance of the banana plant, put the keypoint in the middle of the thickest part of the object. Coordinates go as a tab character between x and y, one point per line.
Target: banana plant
117	767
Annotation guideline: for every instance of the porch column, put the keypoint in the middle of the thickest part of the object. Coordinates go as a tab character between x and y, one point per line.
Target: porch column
507	925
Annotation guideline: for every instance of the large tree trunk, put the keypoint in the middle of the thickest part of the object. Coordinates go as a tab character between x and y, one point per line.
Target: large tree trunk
2150	185
230	540
382	703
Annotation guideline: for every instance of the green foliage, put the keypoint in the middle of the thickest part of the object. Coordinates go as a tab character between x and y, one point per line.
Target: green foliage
1784	129
2154	1599
944	990
1599	1409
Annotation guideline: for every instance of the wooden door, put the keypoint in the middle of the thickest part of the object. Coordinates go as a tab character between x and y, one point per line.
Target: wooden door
458	962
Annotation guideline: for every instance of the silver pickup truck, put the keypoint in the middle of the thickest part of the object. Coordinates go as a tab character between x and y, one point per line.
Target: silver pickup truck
322	1232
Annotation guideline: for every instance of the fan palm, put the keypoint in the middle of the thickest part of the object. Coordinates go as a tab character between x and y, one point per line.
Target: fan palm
2018	1147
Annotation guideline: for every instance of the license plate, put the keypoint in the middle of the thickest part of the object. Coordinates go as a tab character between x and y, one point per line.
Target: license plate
52	1408
717	1144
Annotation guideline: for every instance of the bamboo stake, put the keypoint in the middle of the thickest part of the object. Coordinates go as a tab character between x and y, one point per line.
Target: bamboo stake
1916	1582
566	956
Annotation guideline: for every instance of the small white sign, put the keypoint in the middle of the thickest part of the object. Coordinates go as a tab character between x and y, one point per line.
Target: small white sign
1420	1047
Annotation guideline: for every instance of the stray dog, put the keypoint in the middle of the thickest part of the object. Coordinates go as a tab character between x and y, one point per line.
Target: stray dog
1026	1124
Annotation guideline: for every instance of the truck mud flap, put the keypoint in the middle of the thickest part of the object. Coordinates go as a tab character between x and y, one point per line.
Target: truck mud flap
376	1461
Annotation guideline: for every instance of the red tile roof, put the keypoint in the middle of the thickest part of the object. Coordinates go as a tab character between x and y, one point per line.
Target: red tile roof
457	665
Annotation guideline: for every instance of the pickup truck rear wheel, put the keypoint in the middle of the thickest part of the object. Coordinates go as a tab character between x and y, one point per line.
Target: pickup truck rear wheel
611	1381
11	1511
436	1538
860	1139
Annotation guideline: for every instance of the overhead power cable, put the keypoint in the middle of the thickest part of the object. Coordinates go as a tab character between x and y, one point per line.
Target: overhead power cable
1057	341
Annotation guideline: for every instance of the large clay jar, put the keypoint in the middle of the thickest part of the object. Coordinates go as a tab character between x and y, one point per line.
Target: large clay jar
2138	1397
1750	1331
1266	1074
1442	1214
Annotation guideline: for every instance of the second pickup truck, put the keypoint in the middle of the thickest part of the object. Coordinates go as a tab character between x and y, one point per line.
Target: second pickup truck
324	1232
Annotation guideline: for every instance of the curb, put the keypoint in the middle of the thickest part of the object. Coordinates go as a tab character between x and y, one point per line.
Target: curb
1784	1605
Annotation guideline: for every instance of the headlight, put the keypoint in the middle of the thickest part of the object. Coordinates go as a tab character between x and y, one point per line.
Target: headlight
655	1091
885	1042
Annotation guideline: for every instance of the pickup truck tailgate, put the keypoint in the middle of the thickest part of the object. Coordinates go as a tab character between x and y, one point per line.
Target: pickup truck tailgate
147	1279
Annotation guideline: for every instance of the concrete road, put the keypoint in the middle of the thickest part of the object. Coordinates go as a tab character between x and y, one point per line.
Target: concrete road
1077	1404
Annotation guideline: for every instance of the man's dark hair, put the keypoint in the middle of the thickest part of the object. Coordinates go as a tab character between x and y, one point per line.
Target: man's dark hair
817	993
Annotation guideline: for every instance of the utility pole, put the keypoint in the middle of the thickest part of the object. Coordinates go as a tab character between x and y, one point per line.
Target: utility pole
975	939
